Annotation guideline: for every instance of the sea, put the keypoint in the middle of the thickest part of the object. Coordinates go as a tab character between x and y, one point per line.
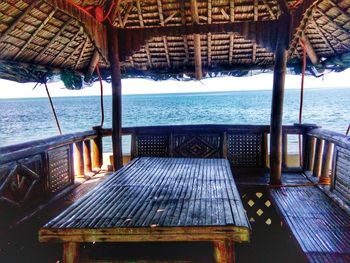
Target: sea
29	119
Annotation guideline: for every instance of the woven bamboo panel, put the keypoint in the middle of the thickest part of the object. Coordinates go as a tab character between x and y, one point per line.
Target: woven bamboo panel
60	170
342	175
198	146
152	145
245	150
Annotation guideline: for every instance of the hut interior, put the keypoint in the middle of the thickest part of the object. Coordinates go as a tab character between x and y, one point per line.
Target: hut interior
297	212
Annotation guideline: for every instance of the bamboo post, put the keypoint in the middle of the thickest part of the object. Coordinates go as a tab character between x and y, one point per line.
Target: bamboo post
79	158
327	163
277	100
113	53
87	156
70	252
97	149
224	251
311	152
284	150
318	158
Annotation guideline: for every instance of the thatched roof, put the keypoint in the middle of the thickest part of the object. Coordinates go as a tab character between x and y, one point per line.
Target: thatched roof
39	38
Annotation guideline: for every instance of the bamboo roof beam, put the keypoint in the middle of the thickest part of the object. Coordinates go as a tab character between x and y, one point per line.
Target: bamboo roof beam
209	48
127	13
334	23
33	35
254	53
139	13
55	37
65	48
65	62
166	49
196	41
93	63
148	54
223	12
269	9
346	47
309	49
256	10
18	20
346	14
160	12
82	52
230	54
209	11
232	11
322	35
187	56
170	17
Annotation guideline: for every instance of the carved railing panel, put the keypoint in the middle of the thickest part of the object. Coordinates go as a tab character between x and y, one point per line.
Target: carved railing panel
21	182
203	146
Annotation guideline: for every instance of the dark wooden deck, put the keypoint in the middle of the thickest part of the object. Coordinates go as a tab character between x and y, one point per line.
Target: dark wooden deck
158	199
21	244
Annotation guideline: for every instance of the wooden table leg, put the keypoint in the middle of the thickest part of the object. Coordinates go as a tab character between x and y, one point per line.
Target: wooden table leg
70	252
224	251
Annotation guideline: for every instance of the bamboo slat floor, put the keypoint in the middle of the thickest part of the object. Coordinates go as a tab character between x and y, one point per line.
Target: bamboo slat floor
320	226
157	199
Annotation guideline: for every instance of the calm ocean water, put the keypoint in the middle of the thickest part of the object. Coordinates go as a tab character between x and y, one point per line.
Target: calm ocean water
28	119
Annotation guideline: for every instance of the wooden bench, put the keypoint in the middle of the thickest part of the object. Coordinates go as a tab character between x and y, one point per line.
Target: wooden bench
320	219
157	199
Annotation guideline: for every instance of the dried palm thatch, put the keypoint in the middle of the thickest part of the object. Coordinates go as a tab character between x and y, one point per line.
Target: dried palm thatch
166	37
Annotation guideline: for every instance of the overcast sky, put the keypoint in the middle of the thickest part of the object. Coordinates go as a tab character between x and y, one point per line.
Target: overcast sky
9	89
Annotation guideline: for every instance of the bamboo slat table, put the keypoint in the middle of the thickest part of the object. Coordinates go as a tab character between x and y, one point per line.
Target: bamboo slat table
157	199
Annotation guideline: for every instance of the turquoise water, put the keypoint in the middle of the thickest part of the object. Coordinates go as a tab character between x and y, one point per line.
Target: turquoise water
28	119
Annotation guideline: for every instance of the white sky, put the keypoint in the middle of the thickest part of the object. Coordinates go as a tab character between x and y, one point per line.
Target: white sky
9	89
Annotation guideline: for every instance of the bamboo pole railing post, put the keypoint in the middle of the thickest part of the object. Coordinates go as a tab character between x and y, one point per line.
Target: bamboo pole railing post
284	150
79	158
277	99
87	156
318	158
311	145
113	53
327	163
97	149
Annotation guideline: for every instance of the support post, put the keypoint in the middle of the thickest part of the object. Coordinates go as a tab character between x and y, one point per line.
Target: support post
79	158
327	163
318	158
97	152
87	156
113	53
277	100
70	252
224	251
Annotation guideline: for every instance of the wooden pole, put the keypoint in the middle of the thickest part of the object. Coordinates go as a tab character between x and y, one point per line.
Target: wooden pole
97	152
277	100
79	158
327	163
87	156
113	53
70	252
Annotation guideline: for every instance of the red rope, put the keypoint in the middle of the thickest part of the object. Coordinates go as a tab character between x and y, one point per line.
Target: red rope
296	4
348	130
101	98
302	97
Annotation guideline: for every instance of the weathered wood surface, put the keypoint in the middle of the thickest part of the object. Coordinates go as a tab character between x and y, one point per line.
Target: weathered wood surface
341	175
334	137
320	226
157	199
